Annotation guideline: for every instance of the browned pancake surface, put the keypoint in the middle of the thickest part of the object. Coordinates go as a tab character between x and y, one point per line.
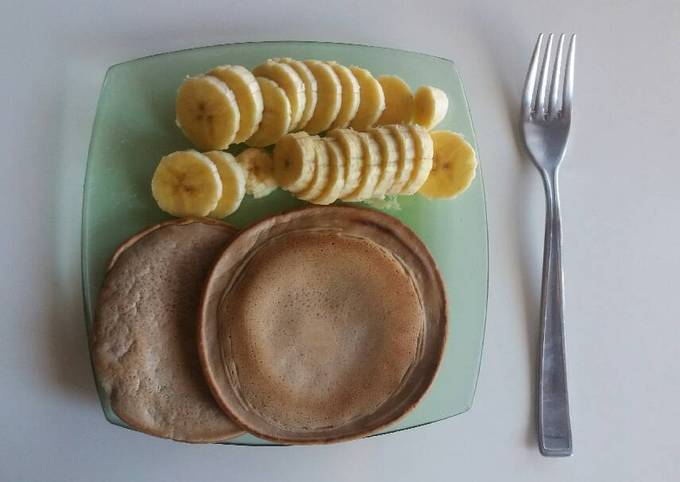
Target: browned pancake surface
144	340
322	329
322	324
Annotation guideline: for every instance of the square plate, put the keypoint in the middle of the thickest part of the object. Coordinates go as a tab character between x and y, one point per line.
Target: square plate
135	126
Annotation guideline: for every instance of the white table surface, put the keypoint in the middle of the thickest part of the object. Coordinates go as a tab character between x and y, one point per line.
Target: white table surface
621	207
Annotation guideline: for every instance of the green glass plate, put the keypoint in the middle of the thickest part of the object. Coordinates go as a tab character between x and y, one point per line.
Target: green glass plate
134	127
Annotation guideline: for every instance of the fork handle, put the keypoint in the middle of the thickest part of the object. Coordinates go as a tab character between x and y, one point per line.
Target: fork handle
554	428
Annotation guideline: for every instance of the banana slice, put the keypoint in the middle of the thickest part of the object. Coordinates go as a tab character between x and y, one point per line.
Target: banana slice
370	171
248	97
407	154
350	95
291	83
389	155
422	160
259	171
276	116
321	168
207	112
350	143
398	101
233	183
431	105
453	168
371	100
310	90
336	174
329	96
294	161
186	183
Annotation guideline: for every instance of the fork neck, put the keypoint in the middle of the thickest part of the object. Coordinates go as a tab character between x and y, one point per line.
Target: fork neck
550	179
552	196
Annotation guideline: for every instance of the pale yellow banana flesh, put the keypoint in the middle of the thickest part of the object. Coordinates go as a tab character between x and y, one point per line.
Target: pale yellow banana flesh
352	152
422	159
350	97
230	104
329	97
431	106
398	101
248	97
336	174
186	183
371	100
389	156
294	161
454	166
259	171
288	79
207	112
406	149
370	171
233	183
276	116
321	172
310	90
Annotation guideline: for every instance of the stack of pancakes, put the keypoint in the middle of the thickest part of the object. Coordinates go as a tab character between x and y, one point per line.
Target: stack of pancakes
314	326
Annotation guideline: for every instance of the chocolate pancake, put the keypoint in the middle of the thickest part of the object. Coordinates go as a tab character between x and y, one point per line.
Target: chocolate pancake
144	335
322	324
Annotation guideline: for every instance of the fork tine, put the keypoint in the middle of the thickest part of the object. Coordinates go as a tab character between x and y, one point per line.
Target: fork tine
557	72
530	83
543	82
568	93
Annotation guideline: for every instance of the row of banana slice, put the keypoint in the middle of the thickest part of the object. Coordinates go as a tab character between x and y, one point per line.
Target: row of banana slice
354	166
229	104
345	165
190	183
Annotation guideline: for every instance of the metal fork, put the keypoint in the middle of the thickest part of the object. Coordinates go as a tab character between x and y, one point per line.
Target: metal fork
545	125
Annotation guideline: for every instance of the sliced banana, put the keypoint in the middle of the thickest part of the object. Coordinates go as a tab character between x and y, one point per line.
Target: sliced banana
259	171
310	90
321	168
276	116
336	174
207	112
389	156
350	143
398	101
407	154
233	183
422	160
186	183
294	161
329	97
371	100
370	171
350	95
288	79
248	97
454	166
431	105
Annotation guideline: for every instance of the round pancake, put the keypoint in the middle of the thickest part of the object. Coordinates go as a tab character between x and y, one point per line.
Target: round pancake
144	335
321	325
